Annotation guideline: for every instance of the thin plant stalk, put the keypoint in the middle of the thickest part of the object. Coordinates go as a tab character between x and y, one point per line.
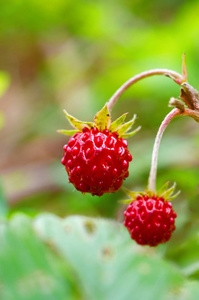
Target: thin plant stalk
169	73
154	161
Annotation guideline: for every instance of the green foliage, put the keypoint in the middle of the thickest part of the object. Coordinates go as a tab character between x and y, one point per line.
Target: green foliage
29	271
83	258
74	55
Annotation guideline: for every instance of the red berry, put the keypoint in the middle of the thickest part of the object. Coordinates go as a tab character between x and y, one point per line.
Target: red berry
150	220
96	161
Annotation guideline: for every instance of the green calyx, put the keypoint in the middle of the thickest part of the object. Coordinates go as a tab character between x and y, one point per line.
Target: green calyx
102	120
165	192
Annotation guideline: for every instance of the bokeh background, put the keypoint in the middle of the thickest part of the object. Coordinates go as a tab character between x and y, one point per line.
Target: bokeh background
73	55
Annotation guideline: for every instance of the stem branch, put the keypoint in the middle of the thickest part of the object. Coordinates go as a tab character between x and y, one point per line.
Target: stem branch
172	74
154	160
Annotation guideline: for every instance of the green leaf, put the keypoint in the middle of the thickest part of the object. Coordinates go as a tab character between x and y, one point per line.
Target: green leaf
77	123
29	269
86	258
102	119
67	132
185	254
126	126
106	262
129	134
114	125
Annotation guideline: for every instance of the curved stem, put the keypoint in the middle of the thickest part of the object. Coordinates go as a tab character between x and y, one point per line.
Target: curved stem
154	160
172	74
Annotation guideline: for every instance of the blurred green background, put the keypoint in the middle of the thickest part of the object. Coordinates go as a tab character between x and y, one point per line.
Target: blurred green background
74	55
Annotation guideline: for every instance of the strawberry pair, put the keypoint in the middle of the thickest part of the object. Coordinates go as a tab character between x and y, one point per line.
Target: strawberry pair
97	158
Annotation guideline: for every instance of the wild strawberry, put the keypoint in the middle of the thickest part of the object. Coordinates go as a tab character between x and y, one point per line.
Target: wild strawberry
149	218
96	157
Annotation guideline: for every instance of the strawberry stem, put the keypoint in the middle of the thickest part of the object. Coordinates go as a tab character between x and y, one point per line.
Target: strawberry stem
169	73
154	161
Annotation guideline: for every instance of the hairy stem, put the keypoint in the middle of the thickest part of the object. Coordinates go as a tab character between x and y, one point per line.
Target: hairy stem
154	160
172	74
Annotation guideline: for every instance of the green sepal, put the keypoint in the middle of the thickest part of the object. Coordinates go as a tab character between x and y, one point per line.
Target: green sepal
167	193
163	189
132	194
77	124
175	195
102	119
117	123
149	193
125	127
127	201
68	132
129	134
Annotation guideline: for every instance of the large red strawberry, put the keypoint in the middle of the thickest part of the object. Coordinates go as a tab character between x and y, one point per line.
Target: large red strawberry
96	157
150	218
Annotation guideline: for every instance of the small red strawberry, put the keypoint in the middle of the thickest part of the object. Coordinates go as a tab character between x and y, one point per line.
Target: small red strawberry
150	218
96	157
